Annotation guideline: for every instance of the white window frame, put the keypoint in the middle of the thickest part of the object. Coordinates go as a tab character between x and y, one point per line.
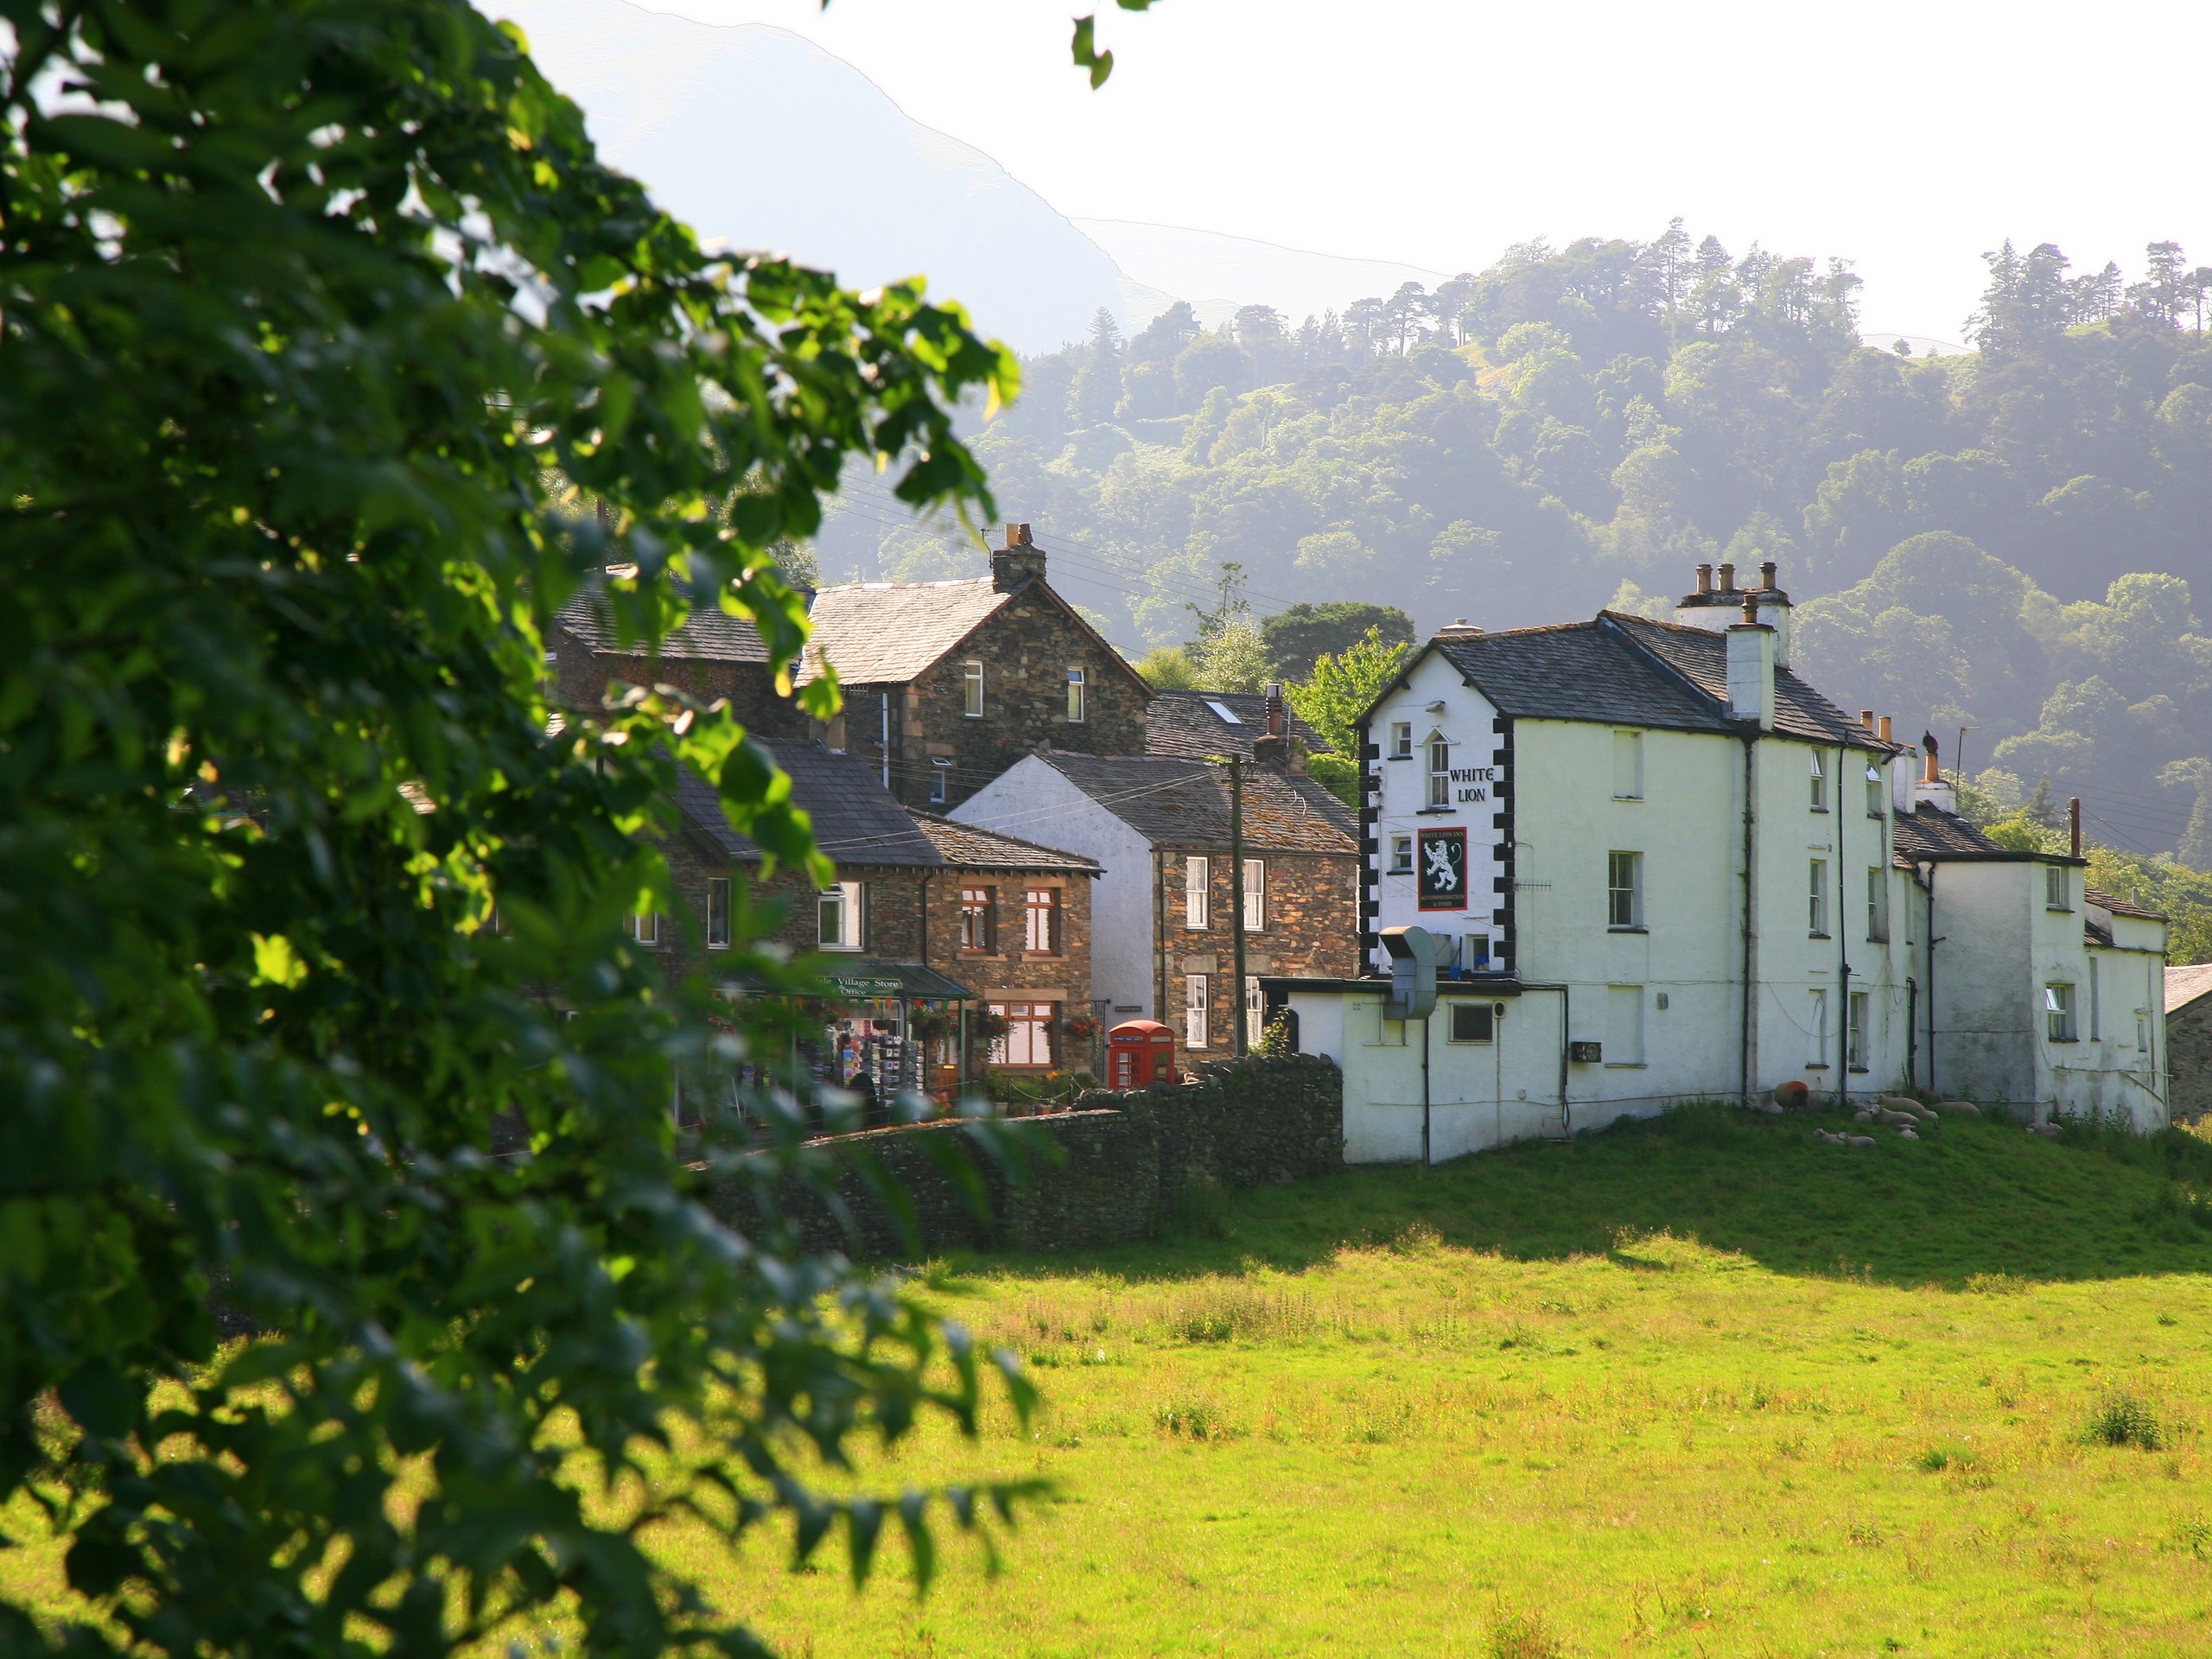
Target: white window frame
1254	1010
2057	887
2058	1011
1858	1011
718	912
1479	1015
971	690
976	906
1195	888
1401	739
1049	911
1197	1007
1878	904
1623	903
1817	911
1440	769
644	928
1877	793
940	780
1627	766
1401	855
1079	697
1820	782
850	898
1256	895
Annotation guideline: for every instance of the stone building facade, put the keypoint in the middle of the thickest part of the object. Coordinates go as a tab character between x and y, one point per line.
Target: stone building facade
948	683
712	655
2189	1041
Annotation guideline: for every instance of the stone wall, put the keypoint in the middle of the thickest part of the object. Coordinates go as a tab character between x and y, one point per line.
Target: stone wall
2188	1059
1111	1172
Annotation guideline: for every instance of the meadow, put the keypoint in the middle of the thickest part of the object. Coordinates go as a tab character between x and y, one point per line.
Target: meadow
1700	1387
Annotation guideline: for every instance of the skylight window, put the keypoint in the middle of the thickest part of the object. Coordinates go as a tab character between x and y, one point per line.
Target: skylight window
1223	709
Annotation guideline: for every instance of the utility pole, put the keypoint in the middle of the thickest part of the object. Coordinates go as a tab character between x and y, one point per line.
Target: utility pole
1236	896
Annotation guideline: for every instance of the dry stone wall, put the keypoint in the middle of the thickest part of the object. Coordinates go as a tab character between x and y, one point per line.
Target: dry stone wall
1110	1172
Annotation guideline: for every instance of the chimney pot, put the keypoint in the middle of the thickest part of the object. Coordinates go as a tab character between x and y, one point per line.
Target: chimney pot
1882	730
1020	560
1275	709
1017	536
1866	718
1931	769
1750	609
1705	578
1727	578
1766	576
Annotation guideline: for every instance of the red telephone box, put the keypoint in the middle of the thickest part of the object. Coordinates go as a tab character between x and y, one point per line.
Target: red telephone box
1140	1052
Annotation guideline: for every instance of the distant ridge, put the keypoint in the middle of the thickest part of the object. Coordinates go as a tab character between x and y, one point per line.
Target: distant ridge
1218	273
867	191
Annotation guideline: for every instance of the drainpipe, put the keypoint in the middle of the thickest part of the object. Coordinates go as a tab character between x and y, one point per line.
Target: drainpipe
1159	936
1751	826
1923	877
1427	1158
886	741
1842	942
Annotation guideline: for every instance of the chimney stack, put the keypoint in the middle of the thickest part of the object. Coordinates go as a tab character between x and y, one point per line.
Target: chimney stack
1882	730
1020	560
1932	789
1751	668
1727	578
1275	709
1705	578
2074	823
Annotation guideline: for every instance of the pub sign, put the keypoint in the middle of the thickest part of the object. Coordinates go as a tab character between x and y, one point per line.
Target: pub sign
1443	869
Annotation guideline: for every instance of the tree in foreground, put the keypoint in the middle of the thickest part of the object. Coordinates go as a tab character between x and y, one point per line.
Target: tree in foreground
311	313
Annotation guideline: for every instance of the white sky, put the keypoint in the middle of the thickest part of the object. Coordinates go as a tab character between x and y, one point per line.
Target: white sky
1908	137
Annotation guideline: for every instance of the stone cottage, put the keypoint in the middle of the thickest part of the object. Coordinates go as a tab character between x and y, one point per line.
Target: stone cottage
948	683
713	655
2189	1040
927	924
1163	943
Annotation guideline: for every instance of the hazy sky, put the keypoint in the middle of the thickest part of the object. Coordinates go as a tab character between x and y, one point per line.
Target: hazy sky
1907	137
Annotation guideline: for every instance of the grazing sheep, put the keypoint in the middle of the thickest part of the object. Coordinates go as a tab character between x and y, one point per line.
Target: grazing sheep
1865	1114
1791	1096
1908	1134
1895	1120
1958	1108
1860	1140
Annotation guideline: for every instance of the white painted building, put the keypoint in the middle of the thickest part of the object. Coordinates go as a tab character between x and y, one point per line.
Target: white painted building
1668	868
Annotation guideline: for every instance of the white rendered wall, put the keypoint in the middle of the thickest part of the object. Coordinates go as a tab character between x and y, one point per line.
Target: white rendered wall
1401	804
1034	801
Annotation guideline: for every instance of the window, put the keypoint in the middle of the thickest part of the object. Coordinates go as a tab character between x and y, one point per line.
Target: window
1076	701
1820	782
971	689
1816	1031
1474	953
1401	854
1194	1011
1194	892
1854	1037
1874	790
1624	889
1470	1022
1401	739
1255	1010
840	916
2056	888
1623	1024
2096	1003
1028	1039
644	926
2143	1029
1627	766
1040	928
2059	1012
717	913
1877	904
940	780
1817	912
976	905
1440	770
1256	895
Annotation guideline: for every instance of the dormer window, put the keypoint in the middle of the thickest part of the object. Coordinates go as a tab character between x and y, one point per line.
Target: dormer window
1439	770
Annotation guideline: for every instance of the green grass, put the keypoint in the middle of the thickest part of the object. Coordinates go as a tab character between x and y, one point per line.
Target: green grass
1701	1387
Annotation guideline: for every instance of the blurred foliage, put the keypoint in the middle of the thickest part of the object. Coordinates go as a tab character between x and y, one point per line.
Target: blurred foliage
333	359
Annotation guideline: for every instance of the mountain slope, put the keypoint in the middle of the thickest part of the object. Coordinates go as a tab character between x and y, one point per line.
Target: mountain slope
759	138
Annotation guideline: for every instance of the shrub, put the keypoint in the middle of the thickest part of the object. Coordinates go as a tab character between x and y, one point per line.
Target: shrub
1523	1636
2123	1418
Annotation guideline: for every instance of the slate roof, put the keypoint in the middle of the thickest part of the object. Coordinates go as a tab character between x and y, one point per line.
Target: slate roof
1579	671
1181	723
970	847
2185	985
875	632
2118	905
1179	802
709	635
855	822
1701	655
1930	833
860	825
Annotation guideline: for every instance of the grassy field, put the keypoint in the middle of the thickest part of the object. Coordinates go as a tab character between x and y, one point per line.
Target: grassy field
1702	1387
